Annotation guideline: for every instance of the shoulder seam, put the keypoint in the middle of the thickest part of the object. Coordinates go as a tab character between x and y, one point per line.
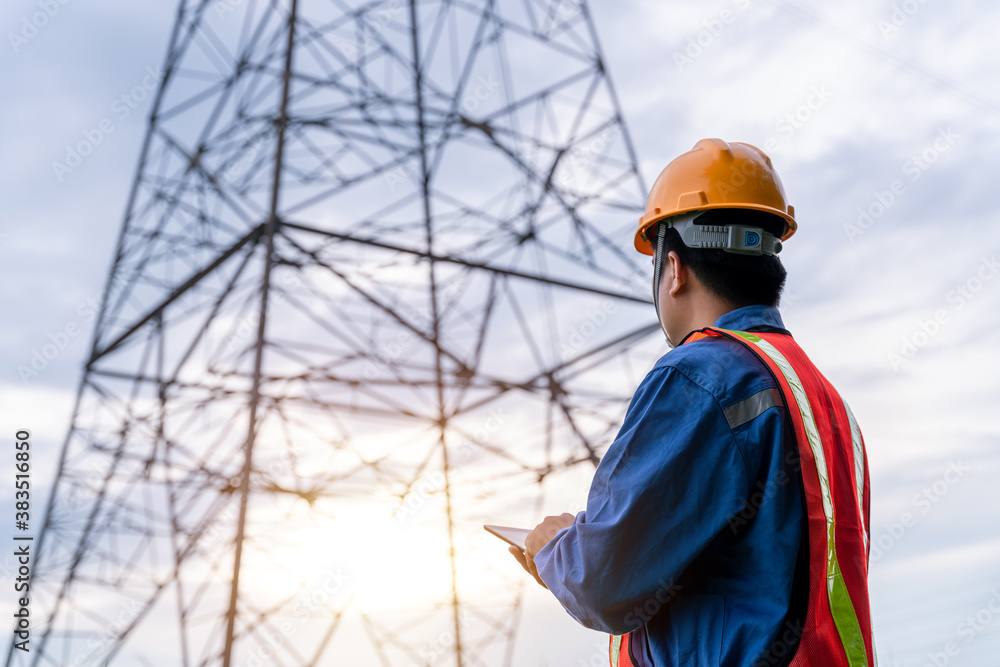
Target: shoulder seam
722	413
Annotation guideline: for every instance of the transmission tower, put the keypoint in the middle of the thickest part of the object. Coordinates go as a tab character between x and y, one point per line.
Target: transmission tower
373	288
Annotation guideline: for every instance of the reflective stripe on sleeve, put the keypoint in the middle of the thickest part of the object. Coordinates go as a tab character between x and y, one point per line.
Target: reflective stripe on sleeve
748	409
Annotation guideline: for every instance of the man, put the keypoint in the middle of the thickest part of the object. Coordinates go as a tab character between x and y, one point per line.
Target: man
728	522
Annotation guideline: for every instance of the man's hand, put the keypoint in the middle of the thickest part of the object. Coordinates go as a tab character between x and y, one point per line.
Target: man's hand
537	539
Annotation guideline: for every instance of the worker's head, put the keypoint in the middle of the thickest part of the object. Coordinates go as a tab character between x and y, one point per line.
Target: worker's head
714	222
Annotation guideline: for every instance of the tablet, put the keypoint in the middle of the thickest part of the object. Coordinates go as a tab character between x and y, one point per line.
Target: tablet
514	536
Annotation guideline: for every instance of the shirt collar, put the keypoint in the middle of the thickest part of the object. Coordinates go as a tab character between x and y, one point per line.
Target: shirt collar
748	317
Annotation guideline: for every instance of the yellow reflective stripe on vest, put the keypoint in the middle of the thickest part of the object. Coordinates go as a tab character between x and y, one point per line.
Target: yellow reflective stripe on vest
841	606
859	470
616	649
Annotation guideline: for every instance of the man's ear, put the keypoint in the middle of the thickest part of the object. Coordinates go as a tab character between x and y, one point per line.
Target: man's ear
677	272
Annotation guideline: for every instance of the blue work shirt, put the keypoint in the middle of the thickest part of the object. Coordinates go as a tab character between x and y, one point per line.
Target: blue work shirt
694	518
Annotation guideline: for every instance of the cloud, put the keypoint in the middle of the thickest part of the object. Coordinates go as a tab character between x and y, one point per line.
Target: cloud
852	304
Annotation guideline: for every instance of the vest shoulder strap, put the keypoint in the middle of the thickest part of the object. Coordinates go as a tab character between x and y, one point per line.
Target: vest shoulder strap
837	629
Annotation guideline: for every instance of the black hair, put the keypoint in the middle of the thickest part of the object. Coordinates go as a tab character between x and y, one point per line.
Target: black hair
740	280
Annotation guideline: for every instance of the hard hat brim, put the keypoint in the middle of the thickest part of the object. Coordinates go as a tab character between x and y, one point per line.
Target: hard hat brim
644	246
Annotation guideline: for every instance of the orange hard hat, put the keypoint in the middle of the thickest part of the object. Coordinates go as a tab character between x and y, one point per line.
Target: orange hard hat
715	174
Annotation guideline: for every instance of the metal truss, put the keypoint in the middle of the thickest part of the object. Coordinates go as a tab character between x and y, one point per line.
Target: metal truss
373	288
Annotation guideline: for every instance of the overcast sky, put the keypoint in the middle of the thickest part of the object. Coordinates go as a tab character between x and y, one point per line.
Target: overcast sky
881	118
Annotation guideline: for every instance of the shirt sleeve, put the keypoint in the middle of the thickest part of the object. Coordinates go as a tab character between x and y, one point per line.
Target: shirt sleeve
666	487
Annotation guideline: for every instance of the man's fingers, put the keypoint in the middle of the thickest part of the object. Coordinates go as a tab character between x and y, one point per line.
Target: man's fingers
527	563
534	570
521	558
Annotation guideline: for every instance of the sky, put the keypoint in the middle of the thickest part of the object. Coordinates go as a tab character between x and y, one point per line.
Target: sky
881	118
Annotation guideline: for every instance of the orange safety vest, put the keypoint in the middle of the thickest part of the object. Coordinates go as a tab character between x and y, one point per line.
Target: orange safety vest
837	628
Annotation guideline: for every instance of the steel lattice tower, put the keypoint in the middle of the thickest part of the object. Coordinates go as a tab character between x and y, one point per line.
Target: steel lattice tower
373	287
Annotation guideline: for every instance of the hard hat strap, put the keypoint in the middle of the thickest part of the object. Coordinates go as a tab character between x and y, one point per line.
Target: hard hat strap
661	231
738	239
